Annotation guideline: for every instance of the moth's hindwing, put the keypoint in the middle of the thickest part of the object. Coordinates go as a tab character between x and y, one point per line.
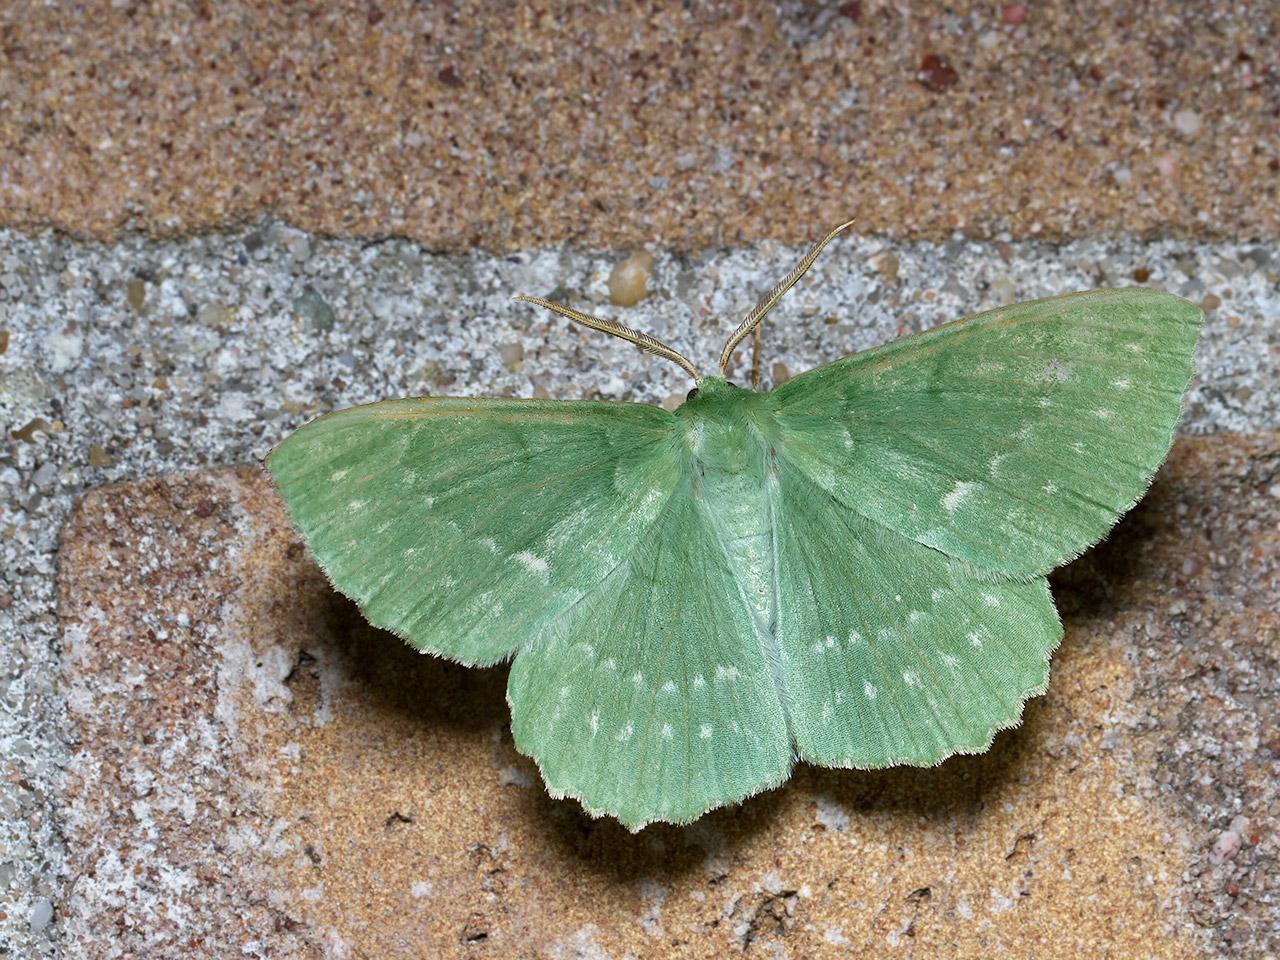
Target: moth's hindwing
894	653
654	701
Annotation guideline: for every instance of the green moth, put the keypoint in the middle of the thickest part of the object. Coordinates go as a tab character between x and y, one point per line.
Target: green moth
848	570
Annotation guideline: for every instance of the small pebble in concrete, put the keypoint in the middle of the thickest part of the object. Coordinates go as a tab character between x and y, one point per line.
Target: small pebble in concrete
1002	290
887	265
629	280
512	355
311	305
41	915
216	314
1225	847
136	294
65	348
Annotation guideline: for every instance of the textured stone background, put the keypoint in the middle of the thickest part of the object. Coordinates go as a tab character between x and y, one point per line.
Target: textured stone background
177	778
460	124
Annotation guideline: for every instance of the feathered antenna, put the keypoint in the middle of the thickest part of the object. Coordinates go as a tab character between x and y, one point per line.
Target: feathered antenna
614	329
770	299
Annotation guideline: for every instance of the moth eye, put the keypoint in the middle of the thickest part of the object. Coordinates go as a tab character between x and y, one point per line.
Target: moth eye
691	394
730	383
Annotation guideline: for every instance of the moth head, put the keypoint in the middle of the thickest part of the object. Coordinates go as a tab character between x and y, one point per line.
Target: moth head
710	389
653	345
716	399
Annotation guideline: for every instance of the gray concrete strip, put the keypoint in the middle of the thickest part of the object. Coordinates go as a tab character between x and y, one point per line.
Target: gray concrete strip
144	357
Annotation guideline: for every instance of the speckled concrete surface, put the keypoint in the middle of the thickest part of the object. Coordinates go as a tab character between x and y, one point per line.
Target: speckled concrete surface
693	125
124	361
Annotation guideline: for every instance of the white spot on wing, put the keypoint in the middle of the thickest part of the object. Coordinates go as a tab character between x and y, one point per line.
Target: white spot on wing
991	600
339	475
531	561
595	722
704	731
488	543
726	673
868	690
1121	384
1055	371
958	494
667	732
625	733
699	681
669	687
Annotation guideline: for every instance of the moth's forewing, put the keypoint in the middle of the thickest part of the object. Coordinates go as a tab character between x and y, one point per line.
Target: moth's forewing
1012	440
465	526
